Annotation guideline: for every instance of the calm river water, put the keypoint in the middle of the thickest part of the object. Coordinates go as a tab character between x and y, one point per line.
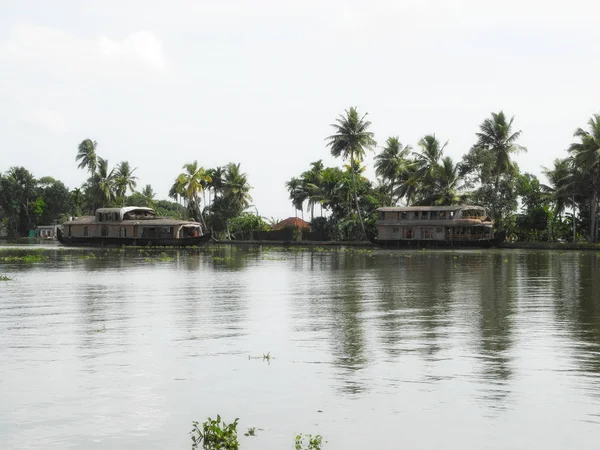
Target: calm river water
114	349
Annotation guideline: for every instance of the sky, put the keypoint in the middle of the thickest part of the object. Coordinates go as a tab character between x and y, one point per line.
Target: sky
160	84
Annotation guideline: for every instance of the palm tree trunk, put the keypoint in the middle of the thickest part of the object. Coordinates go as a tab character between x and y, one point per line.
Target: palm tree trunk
593	209
200	214
392	193
496	186
362	225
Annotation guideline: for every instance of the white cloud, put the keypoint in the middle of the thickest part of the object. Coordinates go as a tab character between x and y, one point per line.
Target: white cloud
64	52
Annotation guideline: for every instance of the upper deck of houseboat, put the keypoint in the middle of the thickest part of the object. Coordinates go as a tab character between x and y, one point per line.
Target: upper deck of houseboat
438	223
462	215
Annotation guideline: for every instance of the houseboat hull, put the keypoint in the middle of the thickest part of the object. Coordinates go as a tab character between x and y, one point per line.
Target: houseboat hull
122	241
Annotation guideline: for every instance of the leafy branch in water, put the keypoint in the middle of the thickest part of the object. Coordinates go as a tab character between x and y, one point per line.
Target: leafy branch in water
308	442
215	435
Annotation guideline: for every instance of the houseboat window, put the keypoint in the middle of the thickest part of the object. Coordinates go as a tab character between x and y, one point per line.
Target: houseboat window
104	231
426	233
408	233
415	215
396	230
434	215
164	231
99	217
149	232
442	215
116	217
123	232
403	215
85	232
451	214
438	230
424	214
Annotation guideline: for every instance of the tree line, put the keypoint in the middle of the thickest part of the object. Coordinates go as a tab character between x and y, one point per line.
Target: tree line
345	200
26	202
488	175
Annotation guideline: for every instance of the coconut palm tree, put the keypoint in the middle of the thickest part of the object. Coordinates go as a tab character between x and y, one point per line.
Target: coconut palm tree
298	194
391	163
446	185
428	157
87	155
76	201
236	189
586	158
148	196
102	184
497	137
313	180
559	179
351	139
191	183
124	179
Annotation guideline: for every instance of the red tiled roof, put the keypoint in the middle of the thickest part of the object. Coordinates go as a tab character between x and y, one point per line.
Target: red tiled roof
292	222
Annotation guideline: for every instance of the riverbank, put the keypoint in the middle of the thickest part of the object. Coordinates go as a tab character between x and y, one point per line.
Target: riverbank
368	244
362	244
550	246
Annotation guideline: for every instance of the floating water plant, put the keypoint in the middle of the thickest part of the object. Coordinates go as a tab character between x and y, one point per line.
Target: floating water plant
309	442
215	434
5	278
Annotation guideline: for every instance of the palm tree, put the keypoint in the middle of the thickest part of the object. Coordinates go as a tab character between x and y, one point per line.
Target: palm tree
148	196
391	163
236	188
235	196
102	184
313	180
87	156
586	157
429	156
76	201
191	183
559	178
298	194
351	140
497	137
446	185
124	179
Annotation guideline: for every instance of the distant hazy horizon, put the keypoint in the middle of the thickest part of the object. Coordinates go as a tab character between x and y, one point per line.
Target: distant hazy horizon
162	84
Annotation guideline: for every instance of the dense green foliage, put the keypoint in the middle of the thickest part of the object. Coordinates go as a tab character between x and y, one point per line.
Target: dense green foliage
228	195
26	201
341	200
215	435
487	175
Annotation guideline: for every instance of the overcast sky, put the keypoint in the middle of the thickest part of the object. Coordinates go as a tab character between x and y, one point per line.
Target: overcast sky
161	83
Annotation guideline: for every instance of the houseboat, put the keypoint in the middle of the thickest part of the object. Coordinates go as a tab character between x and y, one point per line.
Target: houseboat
435	226
130	226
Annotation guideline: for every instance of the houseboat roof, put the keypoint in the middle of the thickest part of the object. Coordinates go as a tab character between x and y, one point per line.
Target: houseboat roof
91	220
427	208
125	209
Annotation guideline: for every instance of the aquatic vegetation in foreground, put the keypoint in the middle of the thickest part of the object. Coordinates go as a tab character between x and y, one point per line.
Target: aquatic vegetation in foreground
265	357
5	278
308	442
215	435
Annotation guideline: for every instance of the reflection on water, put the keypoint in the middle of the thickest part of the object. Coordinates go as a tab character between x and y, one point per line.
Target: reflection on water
125	347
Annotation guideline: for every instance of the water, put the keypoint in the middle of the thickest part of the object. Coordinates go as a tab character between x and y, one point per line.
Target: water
408	350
